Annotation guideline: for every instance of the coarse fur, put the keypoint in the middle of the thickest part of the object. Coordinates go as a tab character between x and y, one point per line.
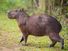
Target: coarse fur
37	25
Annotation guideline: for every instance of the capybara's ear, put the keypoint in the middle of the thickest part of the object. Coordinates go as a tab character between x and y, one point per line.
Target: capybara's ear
21	9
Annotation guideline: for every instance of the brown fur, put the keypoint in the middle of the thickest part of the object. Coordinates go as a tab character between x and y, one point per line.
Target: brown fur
37	25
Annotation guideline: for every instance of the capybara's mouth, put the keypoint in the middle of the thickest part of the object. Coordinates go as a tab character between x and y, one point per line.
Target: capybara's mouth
10	16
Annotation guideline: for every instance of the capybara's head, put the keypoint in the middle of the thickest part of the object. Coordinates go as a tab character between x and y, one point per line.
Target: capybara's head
13	14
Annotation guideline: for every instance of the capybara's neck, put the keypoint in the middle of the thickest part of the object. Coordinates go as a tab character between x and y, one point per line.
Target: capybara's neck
22	19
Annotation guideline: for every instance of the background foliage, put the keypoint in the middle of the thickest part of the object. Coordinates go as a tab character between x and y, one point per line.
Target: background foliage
56	8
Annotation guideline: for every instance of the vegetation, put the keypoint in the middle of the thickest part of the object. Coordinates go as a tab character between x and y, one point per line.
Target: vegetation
10	34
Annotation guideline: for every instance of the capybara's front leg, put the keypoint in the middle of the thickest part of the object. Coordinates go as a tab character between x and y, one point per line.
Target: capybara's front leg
22	39
25	40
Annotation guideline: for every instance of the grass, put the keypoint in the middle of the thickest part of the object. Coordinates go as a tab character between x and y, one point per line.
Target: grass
10	36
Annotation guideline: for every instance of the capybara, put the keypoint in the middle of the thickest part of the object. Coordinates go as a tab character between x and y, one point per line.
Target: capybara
37	25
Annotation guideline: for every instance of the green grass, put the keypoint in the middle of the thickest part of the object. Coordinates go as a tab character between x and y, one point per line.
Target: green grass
10	36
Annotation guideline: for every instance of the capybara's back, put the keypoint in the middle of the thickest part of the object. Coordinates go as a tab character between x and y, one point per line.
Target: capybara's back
40	25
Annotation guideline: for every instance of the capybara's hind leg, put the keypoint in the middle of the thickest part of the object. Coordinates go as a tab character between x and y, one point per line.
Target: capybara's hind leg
57	38
62	43
53	43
